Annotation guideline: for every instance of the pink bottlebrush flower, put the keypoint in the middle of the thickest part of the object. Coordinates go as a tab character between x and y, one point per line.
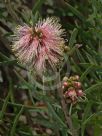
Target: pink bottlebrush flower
39	45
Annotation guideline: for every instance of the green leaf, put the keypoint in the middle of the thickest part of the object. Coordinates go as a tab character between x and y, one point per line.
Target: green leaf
35	10
75	67
46	123
90	58
9	62
80	56
83	76
4	106
25	133
94	87
37	94
12	133
37	6
73	37
55	116
75	11
86	114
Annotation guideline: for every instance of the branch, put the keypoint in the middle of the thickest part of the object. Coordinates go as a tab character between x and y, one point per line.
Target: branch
64	108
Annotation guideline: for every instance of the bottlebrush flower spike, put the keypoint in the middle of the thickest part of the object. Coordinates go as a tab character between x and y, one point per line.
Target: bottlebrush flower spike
34	46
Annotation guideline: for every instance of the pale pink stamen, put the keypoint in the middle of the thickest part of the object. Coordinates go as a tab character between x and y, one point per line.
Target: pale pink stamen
34	45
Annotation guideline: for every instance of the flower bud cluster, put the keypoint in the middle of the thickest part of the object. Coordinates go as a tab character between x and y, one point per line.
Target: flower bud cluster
72	89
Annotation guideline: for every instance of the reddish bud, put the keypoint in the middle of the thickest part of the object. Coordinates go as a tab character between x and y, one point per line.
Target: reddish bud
77	84
80	93
65	84
71	93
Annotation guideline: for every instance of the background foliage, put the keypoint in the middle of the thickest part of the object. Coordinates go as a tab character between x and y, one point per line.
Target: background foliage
24	109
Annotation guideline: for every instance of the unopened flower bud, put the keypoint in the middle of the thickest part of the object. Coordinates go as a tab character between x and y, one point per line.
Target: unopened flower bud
77	84
65	84
77	77
72	94
66	48
80	93
65	78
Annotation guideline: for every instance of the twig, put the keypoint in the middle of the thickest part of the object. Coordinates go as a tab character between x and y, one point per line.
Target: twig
64	108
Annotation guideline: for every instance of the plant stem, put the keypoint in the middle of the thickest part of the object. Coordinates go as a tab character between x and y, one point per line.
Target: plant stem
64	108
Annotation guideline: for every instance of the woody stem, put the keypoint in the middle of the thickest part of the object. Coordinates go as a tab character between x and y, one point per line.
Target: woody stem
64	108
